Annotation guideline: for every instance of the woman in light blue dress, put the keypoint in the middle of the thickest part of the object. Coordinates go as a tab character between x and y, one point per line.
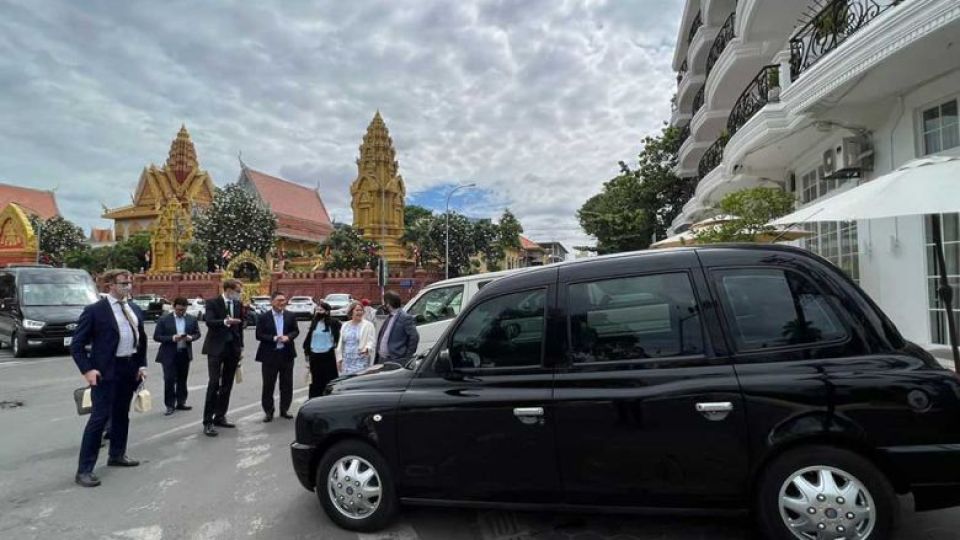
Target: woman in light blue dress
357	339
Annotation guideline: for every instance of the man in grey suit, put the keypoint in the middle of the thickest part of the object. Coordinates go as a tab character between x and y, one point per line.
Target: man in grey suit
398	337
176	333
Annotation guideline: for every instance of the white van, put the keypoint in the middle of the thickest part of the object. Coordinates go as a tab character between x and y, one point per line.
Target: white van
437	305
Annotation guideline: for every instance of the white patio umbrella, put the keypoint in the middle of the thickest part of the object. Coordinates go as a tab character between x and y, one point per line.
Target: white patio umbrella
922	186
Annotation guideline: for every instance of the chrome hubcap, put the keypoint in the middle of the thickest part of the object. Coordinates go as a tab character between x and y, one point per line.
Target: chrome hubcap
354	487
825	503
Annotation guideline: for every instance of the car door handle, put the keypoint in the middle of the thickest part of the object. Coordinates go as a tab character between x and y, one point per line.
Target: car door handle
715	407
521	412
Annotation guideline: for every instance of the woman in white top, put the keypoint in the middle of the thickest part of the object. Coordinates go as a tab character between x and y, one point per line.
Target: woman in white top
357	340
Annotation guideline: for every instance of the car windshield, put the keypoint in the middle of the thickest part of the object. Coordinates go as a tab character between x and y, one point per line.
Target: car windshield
60	290
300	300
338	298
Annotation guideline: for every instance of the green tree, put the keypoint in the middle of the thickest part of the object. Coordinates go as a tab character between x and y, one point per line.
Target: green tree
347	250
58	237
488	242
418	221
236	221
510	230
750	211
462	243
195	258
639	204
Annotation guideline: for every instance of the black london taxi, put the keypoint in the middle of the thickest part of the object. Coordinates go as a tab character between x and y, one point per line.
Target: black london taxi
736	378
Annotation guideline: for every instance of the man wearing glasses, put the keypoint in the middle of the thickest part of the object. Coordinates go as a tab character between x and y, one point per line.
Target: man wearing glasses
114	366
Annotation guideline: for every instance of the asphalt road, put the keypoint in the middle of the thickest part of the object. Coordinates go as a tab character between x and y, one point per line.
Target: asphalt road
241	484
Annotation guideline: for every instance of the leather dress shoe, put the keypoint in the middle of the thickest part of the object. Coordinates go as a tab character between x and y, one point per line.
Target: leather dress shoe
168	412
209	431
286	415
224	423
268	418
87	479
122	461
184	408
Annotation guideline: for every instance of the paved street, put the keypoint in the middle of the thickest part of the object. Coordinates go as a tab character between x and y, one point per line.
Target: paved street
241	485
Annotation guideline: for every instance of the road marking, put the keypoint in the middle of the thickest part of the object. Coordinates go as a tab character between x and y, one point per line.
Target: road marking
193	425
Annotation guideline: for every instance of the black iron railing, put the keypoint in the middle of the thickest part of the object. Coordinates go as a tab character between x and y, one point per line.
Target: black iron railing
684	135
830	27
694	26
697	100
753	98
682	72
723	38
712	157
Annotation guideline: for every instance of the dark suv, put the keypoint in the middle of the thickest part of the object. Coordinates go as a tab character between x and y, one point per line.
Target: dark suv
753	378
40	306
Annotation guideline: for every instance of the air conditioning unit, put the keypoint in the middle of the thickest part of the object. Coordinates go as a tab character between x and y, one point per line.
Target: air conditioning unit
846	160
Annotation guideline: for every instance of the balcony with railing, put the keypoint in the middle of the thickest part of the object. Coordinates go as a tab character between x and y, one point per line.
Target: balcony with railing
712	157
682	72
694	26
697	101
829	28
724	37
683	135
753	98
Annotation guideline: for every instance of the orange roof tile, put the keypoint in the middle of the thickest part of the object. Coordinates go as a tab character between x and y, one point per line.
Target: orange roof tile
528	244
291	200
101	235
39	202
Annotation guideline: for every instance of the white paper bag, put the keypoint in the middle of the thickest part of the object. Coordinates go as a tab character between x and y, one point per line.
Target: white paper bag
87	401
142	402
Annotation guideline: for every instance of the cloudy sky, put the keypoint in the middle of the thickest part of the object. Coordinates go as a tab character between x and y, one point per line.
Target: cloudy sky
533	100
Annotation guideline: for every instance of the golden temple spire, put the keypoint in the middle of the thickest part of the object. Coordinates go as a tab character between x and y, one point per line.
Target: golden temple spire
182	159
377	146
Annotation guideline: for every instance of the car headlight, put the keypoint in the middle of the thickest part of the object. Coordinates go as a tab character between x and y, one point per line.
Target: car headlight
33	325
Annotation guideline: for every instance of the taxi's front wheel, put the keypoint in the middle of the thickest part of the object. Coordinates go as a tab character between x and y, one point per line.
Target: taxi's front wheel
355	487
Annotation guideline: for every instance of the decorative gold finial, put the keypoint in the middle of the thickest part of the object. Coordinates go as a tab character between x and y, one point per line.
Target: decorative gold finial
183	156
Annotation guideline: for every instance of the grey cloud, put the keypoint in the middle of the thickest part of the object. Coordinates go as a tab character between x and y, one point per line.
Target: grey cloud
534	100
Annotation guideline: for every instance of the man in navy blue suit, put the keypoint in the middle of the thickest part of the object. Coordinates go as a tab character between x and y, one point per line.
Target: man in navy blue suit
114	366
176	333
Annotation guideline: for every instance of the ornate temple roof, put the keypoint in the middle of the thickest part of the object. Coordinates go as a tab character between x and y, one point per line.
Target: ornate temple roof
301	214
183	155
39	202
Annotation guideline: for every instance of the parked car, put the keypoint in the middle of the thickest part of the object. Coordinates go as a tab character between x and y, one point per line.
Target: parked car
436	306
196	307
721	378
339	302
40	306
261	304
153	305
301	306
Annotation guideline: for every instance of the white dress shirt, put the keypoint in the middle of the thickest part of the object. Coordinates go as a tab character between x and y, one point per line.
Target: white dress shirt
127	345
181	323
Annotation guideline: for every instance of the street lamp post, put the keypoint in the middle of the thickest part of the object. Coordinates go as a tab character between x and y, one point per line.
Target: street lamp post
446	258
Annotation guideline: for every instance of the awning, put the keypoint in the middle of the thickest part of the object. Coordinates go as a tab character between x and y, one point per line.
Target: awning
923	186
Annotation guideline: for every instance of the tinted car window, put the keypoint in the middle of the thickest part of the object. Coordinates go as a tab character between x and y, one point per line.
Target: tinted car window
653	316
438	305
506	331
57	289
8	287
774	308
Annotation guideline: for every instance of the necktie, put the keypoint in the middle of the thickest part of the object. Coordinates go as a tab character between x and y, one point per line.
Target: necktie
131	321
230	308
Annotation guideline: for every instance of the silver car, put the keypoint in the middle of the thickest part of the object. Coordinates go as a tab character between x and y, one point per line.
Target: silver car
339	303
301	306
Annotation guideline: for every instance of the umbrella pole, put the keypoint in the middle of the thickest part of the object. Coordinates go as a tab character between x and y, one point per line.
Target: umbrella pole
946	292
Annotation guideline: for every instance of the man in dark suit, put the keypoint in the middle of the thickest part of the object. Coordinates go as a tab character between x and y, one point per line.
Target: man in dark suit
398	338
114	366
276	331
176	333
223	347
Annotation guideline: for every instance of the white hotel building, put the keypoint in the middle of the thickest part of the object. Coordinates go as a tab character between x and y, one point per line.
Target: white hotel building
816	96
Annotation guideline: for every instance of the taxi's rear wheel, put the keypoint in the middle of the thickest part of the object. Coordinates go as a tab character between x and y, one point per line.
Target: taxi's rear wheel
355	487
